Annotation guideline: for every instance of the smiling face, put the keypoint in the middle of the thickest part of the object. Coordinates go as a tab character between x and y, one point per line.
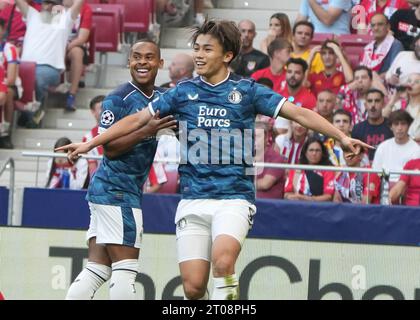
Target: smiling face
144	63
210	61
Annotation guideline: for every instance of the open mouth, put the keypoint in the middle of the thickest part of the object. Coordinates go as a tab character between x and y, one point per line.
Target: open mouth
142	72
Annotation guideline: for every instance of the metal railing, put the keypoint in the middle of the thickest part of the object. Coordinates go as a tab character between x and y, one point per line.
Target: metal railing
10	164
383	173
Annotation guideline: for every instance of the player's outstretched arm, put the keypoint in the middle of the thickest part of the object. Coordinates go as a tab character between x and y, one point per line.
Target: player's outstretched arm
125	143
314	121
119	129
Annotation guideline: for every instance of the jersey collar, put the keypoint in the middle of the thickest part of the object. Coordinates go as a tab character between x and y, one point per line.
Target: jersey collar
137	88
216	84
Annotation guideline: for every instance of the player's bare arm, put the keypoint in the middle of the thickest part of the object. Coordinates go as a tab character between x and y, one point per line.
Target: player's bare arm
123	127
314	121
124	144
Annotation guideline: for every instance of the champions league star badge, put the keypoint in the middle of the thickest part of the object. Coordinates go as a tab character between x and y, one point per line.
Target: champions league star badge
235	97
107	118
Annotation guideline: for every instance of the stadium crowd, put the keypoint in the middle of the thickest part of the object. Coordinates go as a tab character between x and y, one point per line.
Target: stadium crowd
369	89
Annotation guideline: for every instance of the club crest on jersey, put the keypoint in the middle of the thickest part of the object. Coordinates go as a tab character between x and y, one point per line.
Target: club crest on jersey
107	118
235	96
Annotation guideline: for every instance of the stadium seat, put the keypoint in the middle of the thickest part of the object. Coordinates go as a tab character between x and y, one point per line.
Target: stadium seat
359	40
27	75
92	44
106	35
319	38
171	186
105	7
138	14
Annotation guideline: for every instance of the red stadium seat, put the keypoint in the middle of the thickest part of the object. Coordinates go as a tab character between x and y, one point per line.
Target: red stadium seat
27	75
138	14
171	186
92	44
105	7
359	40
319	38
106	34
107	27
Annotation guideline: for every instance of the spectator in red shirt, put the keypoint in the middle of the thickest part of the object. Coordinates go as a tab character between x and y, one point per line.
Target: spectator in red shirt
357	187
293	88
311	185
371	7
279	53
331	78
408	186
17	28
269	181
77	52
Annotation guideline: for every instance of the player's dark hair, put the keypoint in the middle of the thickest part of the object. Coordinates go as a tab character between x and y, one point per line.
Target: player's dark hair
226	32
95	100
147	40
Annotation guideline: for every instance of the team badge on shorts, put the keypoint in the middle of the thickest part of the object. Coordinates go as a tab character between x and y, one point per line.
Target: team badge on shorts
235	96
181	224
107	118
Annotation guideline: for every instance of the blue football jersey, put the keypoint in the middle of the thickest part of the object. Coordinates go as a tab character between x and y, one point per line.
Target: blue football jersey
216	133
120	181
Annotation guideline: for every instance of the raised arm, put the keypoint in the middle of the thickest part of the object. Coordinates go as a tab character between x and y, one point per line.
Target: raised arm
327	17
23	6
75	8
314	121
121	128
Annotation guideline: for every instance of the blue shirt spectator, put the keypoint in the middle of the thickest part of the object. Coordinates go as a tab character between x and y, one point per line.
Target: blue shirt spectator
328	16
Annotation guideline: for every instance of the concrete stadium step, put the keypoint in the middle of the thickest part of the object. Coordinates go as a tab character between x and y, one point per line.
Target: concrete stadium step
43	139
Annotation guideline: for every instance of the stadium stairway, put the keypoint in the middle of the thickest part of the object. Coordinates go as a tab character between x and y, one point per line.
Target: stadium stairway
58	123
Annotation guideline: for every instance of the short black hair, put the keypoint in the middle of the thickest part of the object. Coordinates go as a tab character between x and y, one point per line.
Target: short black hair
225	31
304	23
148	41
369	71
298	61
374	90
95	100
266	82
400	116
343	112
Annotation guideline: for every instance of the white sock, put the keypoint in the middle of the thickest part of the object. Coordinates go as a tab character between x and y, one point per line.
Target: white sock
226	288
88	281
123	277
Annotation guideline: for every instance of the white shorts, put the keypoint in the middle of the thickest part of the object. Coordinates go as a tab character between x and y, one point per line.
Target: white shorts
115	225
199	222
